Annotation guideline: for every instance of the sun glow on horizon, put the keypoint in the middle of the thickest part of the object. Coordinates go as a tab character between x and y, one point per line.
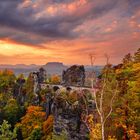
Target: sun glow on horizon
9	47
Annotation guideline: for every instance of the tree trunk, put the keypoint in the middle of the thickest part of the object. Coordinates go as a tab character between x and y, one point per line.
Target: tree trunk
102	127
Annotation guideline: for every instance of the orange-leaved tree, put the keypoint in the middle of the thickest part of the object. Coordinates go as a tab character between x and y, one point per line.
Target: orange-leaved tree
33	119
55	79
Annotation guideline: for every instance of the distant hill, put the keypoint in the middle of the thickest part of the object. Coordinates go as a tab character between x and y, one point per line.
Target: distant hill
55	68
20	68
50	67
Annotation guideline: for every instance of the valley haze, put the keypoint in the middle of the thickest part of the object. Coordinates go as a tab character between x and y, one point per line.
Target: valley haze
51	68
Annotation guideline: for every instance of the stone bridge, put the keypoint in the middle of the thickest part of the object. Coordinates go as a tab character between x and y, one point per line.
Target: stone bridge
43	86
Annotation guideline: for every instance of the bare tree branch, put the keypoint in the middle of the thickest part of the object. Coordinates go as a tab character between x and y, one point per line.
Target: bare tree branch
107	58
95	98
101	98
111	104
92	60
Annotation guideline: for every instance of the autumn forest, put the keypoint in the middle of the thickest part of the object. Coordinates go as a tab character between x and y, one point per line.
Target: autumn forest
35	108
69	69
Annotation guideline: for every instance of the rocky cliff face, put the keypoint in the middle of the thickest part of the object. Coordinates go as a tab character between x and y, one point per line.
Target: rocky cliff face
68	109
67	119
74	76
69	125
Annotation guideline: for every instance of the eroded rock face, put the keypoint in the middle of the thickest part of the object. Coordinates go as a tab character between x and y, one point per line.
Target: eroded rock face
67	118
70	126
41	74
74	76
19	92
39	78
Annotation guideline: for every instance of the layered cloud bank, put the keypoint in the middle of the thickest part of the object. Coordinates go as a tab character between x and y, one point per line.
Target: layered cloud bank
38	31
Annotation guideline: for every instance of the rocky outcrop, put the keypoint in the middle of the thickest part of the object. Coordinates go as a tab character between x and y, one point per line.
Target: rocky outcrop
41	75
18	91
68	116
39	78
74	76
69	125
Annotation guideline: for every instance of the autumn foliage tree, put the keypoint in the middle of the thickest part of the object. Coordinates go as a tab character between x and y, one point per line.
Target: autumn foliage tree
127	104
6	133
55	79
12	111
33	119
7	80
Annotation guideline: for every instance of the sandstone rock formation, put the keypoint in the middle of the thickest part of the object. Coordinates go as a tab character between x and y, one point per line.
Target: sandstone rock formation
67	118
74	76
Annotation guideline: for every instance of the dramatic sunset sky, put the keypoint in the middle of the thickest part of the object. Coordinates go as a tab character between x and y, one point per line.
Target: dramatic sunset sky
41	31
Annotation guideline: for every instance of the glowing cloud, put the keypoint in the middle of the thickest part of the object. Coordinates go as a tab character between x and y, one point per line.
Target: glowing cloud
39	31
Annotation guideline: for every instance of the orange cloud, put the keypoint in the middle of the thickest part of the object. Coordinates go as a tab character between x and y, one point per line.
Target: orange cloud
69	52
68	31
